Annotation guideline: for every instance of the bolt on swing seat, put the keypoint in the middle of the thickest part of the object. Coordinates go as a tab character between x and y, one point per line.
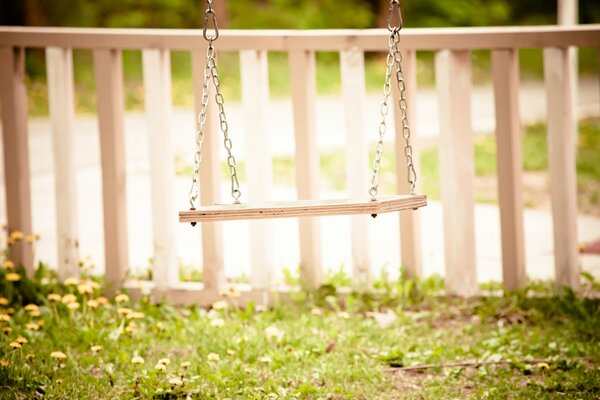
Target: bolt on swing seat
372	205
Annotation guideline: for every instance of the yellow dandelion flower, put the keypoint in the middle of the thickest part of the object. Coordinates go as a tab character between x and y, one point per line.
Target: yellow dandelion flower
220	305
69	298
21	340
160	367
316	311
73	306
185	364
175	382
31	307
543	366
54	297
131	327
122	298
230	352
102	300
16	236
81	262
4	363
3	301
15	345
160	325
218	322
93	303
264	359
13	277
10	310
40	322
124	311
230	291
213	357
93	284
135	315
10	241
96	349
85	288
35	313
58	355
137	360
32	326
8	264
343	315
71	281
30	357
7	330
5	317
165	361
32	238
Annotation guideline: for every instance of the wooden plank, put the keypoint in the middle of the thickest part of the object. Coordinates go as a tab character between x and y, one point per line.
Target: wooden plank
254	70
470	38
157	86
302	66
352	65
561	159
410	222
457	171
303	208
13	95
108	69
505	71
568	15
59	67
213	265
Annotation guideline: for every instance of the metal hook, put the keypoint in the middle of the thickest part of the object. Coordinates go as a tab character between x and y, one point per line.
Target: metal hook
394	4
210	14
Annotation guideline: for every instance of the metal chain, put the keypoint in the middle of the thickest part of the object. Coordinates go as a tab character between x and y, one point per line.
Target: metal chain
211	72
195	189
224	126
394	57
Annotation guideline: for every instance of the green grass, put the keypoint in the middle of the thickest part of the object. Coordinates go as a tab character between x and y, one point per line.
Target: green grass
319	345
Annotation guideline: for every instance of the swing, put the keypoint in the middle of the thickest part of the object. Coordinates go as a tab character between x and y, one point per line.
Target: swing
372	205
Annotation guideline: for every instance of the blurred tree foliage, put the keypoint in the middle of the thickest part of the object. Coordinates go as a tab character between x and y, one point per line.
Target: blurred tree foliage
290	14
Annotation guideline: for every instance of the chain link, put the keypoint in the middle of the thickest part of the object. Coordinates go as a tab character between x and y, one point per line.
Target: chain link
200	132
394	57
211	72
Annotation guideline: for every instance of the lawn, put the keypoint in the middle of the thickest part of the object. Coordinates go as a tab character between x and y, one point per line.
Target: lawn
68	341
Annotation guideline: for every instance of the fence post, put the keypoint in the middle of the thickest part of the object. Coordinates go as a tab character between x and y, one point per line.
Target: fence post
353	94
157	86
302	66
505	71
13	95
410	221
59	67
108	69
457	170
213	271
561	160
255	98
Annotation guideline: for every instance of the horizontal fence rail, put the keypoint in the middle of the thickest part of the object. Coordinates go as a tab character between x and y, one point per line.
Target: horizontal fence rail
453	48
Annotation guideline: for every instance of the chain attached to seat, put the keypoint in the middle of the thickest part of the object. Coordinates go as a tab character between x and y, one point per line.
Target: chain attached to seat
211	72
394	57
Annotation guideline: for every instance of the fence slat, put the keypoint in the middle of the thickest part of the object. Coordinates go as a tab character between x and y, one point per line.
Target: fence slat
303	78
13	95
410	221
213	267
157	86
561	159
255	98
505	71
59	66
453	77
108	69
353	96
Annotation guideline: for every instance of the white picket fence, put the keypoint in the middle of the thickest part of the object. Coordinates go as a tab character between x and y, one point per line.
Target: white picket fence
453	76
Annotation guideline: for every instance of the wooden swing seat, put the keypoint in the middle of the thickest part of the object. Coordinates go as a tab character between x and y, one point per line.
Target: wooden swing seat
303	208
